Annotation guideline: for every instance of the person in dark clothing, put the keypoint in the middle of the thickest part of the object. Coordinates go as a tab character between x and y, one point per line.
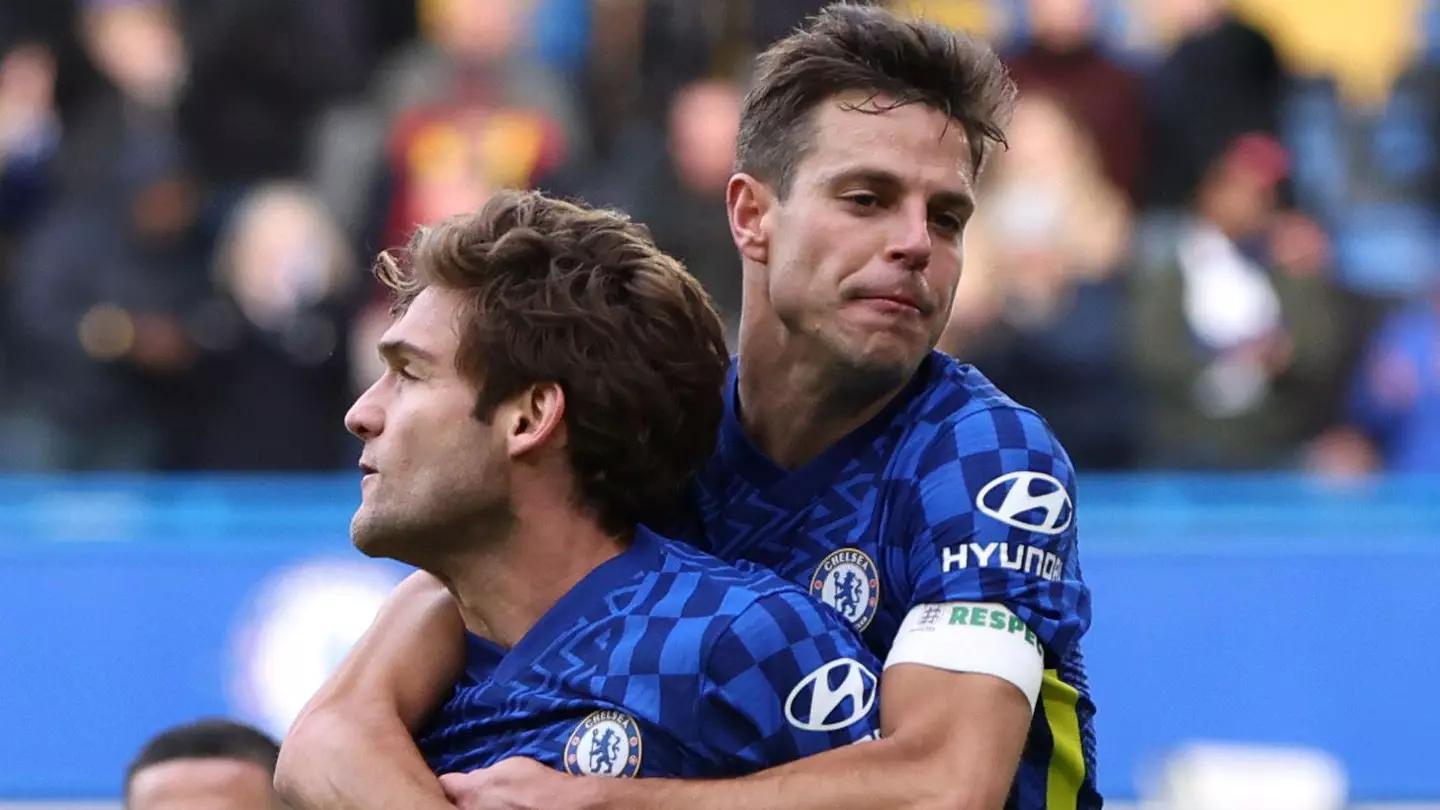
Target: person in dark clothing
1064	60
1223	79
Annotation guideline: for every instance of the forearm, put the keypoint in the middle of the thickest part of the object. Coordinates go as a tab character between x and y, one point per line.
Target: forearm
352	746
331	761
881	775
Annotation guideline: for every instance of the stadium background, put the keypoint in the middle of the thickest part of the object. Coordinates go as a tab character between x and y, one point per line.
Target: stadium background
1209	258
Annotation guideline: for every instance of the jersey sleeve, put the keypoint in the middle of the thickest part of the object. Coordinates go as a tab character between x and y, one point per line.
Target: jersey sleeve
786	679
995	526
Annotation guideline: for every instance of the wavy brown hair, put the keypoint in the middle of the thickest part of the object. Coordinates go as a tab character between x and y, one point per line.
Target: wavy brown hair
580	297
850	48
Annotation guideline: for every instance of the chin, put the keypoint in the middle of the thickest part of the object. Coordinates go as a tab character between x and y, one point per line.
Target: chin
373	538
886	355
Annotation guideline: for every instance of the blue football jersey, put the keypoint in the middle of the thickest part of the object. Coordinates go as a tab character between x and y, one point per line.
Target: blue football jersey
663	661
954	493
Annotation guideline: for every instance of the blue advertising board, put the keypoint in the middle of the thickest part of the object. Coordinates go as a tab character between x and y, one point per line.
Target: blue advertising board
1243	609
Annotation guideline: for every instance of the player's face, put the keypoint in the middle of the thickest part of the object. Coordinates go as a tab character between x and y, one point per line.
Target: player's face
202	784
432	469
865	250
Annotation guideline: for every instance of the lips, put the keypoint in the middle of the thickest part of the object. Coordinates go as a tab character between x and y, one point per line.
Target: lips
367	469
902	298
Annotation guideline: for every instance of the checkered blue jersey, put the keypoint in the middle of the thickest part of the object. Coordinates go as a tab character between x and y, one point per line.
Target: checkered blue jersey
664	661
954	493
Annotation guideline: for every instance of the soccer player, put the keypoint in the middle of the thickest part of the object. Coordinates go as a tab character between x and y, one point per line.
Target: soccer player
552	380
205	765
894	483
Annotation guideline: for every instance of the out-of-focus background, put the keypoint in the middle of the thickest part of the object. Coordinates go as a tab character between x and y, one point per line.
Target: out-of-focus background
1209	258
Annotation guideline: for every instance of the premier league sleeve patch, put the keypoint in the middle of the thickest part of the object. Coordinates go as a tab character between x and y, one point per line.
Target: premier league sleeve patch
607	743
848	581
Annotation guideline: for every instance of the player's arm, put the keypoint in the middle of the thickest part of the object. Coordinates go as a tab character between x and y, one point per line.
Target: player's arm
351	747
951	741
790	682
967	668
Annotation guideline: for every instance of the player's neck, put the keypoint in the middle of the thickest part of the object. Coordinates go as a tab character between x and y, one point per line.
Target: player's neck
794	411
504	587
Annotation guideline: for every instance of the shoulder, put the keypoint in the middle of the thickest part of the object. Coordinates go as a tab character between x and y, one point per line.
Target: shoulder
957	397
970	450
750	602
965	424
727	589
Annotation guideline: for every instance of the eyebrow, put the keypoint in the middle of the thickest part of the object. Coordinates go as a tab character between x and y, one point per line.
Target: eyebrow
401	350
959	200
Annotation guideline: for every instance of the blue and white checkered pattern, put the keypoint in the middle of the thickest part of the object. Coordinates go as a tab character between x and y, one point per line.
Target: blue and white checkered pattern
953	493
702	657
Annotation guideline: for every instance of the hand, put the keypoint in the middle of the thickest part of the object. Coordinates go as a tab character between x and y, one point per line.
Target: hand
1298	244
518	784
1272	352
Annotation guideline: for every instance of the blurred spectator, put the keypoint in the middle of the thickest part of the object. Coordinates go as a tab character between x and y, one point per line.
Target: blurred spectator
214	764
1064	58
462	111
1223	79
51	25
474	53
109	274
128	139
260	71
681	42
276	362
686	206
1394	411
138	47
648	50
1235	336
29	137
1045	320
673	179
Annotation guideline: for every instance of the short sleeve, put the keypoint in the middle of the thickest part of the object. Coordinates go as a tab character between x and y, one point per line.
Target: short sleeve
995	523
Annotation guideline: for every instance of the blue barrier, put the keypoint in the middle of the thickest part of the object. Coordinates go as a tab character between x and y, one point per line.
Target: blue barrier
1244	608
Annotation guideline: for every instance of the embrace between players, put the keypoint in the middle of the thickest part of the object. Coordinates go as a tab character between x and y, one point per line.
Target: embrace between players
640	561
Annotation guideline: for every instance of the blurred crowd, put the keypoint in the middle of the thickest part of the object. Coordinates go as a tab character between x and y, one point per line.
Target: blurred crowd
1194	254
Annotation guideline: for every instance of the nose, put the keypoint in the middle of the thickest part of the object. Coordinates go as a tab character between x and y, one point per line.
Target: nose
911	244
366	419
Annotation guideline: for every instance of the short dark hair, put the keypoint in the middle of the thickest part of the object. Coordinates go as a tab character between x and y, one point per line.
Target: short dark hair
581	297
208	738
858	48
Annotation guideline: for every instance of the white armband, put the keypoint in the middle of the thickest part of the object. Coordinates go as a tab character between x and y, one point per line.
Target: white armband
972	637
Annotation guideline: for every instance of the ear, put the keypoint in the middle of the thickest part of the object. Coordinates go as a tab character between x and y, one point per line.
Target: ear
537	415
749	203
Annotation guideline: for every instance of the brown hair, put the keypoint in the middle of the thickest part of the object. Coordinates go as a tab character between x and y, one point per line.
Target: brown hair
854	48
583	298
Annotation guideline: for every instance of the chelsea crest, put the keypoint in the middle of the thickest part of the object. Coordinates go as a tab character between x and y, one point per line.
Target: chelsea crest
848	581
607	743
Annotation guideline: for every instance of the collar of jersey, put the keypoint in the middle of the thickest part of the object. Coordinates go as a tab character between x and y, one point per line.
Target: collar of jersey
485	658
792	489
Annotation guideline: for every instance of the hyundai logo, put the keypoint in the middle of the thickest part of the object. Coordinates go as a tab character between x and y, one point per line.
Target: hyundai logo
832	697
1034	501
